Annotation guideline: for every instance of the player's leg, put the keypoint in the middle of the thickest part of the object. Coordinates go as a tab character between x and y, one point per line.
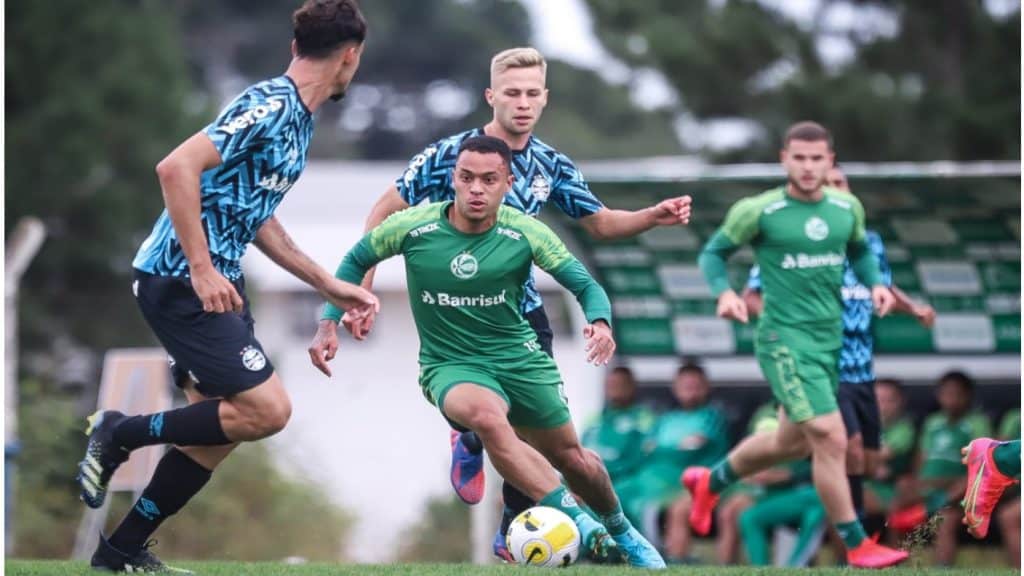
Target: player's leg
992	466
586	475
810	529
754	453
1008	517
946	536
467	469
757	521
479	403
847	398
220	353
677	529
728	516
179	476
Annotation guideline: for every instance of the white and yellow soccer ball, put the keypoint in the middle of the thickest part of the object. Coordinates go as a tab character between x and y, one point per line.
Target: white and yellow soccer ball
543	536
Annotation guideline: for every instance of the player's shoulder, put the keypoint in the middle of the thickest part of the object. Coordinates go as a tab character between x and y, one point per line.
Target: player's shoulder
511	217
766	202
261	102
553	156
841	198
448	147
409	219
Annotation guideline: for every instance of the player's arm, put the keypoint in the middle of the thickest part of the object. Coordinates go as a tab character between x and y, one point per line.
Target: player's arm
388	203
572	194
179	175
381	243
554	258
904	304
865	263
608	223
274	241
740	226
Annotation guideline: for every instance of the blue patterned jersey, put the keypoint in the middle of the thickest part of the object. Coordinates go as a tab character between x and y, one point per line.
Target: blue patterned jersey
541	174
855	366
262	137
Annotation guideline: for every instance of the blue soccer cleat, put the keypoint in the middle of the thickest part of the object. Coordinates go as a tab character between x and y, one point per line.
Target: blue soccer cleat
638	551
467	472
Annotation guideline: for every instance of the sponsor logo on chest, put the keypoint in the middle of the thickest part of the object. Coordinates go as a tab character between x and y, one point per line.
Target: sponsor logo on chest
816	229
464	266
802	261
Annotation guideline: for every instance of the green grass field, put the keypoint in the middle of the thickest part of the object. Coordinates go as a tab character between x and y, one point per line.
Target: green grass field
53	568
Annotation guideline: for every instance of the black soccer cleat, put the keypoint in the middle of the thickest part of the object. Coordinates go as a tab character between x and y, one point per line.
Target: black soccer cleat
110	559
102	457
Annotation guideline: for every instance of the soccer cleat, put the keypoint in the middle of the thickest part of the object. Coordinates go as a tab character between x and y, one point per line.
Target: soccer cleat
871	554
638	551
985	485
697	480
110	559
600	548
102	457
906	519
500	548
467	472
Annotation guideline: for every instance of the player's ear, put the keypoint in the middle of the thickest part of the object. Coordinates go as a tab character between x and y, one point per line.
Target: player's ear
489	96
295	49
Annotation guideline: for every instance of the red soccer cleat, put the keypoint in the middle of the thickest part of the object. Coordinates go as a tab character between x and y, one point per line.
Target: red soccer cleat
467	471
697	480
871	554
985	485
906	519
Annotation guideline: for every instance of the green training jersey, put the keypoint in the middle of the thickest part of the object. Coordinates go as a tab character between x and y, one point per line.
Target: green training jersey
618	437
684	438
465	289
942	439
898	437
801	247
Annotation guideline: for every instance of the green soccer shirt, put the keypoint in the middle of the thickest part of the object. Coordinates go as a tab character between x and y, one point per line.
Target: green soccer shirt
801	247
942	438
465	289
683	438
899	437
618	437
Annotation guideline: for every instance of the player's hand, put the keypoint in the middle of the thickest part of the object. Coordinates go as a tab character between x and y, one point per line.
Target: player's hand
731	306
600	344
883	300
359	328
216	292
324	345
356	301
673	211
925	314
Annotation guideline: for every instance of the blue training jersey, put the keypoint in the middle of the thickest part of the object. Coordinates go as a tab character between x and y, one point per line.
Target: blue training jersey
855	357
262	136
541	174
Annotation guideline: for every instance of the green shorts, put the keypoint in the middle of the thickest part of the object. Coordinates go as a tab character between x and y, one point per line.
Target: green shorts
532	388
804	382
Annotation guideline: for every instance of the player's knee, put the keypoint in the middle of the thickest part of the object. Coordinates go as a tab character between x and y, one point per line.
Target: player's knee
488	424
271	417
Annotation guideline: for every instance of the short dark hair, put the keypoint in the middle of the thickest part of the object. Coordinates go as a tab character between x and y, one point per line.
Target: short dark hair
891	383
487	145
692	368
959	378
323	26
807	131
625	371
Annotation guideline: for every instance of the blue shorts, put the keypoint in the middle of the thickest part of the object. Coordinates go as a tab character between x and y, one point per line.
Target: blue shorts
859	407
218	352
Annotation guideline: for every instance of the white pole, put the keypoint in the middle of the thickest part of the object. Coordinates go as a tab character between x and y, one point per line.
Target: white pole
25	240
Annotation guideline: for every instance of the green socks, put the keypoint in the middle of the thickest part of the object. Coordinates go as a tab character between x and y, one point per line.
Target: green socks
561	499
1007	458
852	533
722	476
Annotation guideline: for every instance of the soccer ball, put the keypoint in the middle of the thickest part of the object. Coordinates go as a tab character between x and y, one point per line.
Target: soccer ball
543	536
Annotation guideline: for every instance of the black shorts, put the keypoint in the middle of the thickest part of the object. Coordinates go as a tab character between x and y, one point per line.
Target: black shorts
538	320
859	407
219	352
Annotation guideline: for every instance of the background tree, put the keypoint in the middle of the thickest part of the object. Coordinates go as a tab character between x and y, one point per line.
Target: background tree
912	79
